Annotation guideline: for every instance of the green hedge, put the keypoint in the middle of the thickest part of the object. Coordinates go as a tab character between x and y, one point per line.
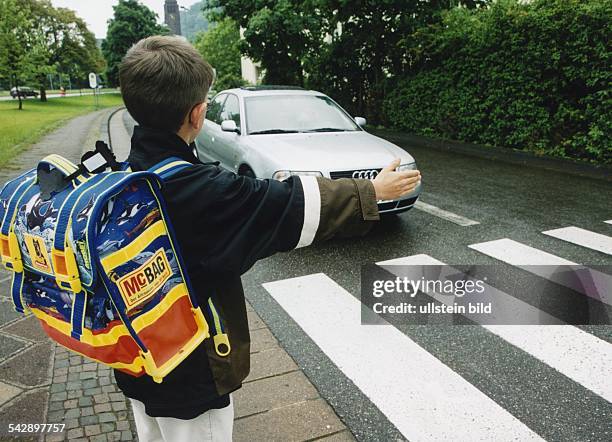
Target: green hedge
533	76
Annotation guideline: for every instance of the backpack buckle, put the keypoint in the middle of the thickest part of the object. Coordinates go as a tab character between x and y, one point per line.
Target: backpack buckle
222	344
11	253
66	269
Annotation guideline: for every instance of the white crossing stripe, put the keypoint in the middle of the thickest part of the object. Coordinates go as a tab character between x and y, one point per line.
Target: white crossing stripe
609	221
421	396
584	238
508	309
448	216
543	264
574	353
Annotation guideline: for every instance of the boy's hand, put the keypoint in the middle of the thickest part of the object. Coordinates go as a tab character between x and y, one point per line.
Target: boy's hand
391	185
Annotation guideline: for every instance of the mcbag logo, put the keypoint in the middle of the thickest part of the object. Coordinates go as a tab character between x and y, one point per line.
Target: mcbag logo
142	283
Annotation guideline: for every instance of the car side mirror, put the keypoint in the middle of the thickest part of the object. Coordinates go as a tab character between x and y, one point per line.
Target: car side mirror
229	126
360	121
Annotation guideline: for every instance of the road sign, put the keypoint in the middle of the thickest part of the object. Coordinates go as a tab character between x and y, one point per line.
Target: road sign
93	80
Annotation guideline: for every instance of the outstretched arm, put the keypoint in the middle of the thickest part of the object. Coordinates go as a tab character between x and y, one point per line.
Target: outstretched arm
250	219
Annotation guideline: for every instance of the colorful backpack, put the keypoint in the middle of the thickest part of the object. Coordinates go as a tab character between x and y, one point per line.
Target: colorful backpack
95	260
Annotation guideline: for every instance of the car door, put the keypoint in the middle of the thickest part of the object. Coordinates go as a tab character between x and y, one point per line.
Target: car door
209	136
227	144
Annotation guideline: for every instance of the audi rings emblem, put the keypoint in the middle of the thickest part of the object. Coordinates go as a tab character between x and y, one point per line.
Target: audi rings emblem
365	174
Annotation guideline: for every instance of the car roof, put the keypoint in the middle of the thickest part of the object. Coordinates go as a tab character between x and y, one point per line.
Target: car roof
259	91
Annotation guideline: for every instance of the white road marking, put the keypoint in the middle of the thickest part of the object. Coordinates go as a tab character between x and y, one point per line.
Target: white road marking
584	238
508	309
448	216
572	352
592	283
609	221
421	396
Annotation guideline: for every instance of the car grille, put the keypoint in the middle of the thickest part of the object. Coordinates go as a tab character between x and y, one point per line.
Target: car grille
387	205
349	173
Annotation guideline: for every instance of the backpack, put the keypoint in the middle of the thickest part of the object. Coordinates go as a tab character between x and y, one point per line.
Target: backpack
96	261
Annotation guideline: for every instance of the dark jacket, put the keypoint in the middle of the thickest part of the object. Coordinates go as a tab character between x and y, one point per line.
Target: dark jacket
223	224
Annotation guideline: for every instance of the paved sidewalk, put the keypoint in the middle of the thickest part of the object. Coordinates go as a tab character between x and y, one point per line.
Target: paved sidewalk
44	383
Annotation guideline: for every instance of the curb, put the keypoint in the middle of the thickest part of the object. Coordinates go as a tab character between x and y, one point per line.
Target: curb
512	156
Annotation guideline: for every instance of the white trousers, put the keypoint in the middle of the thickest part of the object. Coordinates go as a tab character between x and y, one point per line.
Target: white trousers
212	426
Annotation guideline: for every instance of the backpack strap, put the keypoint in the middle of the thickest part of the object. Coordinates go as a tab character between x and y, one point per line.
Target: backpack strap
77	316
17	290
220	338
170	166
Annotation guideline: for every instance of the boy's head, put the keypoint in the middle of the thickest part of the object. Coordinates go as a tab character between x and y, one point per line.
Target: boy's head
164	82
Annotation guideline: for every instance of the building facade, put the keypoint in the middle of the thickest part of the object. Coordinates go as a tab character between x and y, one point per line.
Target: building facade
172	16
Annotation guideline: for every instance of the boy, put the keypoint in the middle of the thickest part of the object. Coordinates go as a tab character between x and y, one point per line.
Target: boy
223	224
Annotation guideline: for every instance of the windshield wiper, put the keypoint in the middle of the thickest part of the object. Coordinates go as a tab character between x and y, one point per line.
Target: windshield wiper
326	129
274	131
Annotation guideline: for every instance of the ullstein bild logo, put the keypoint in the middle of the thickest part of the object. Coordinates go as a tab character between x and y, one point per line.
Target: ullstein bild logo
366	174
142	283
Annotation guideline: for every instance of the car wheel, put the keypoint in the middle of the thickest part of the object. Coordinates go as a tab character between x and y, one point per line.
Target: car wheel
246	171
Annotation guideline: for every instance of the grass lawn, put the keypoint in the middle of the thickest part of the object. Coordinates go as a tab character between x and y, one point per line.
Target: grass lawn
19	129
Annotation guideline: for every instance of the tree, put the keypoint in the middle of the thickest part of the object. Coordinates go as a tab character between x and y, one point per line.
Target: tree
131	22
348	48
39	40
277	33
61	44
220	47
73	47
365	47
15	62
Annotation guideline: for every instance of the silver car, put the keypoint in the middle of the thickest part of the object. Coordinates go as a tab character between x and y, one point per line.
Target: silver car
276	132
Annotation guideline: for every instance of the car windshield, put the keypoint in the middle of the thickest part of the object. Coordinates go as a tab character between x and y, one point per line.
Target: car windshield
274	114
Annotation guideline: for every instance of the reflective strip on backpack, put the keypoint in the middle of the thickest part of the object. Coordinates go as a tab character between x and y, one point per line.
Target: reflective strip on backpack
25	174
169	167
11	210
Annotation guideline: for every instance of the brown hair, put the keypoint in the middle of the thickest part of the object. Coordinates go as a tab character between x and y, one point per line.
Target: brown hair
162	78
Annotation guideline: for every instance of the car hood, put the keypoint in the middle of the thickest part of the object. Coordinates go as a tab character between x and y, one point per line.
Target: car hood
327	151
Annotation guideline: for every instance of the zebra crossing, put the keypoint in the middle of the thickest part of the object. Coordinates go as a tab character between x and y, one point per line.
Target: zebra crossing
582	237
426	399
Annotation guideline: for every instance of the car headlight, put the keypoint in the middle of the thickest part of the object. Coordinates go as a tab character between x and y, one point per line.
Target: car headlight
282	175
404	167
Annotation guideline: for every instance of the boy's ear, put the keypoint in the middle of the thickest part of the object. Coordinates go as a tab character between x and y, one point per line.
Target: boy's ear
196	117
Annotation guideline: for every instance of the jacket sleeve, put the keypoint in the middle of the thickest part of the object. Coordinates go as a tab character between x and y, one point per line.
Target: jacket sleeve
252	219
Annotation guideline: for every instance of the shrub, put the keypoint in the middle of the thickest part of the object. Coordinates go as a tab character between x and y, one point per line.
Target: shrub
533	76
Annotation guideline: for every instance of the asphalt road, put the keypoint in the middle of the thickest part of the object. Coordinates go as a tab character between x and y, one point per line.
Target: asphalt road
462	382
508	201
